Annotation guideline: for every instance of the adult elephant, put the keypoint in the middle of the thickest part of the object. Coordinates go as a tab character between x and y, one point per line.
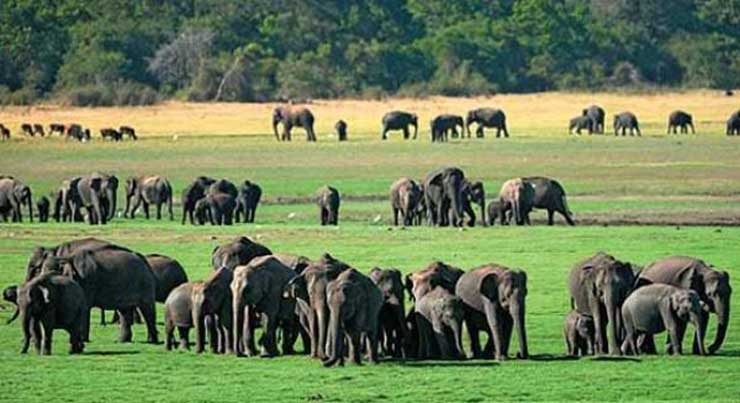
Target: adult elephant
487	117
580	123
399	120
146	190
224	186
680	119
494	298
442	124
35	263
393	312
733	124
192	194
405	195
293	116
550	195
516	196
624	121
67	203
221	208
435	274
238	252
212	311
442	192
247	201
473	193
712	285
598	287
13	195
168	272
92	197
597	116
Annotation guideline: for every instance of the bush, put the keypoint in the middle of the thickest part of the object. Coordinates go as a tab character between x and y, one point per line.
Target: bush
123	94
134	94
23	96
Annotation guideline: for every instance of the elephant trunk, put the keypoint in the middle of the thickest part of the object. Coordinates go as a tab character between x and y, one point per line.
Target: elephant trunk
111	195
128	205
26	324
336	340
14	317
483	210
613	314
698	321
200	326
238	325
515	205
723	320
275	121
30	206
518	312
456	201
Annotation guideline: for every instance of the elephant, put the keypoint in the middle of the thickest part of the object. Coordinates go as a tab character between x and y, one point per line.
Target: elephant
393	331
258	287
238	252
212	311
35	263
97	193
221	208
4	133
550	195
657	307
486	117
435	274
399	120
178	314
146	190
328	200
223	186
496	211
494	298
341	128
67	203
473	193
190	196
354	309
442	192
168	272
597	116
680	119
579	334
128	131
51	301
42	207
439	316
733	124
712	285
580	123
517	196
290	116
27	129
57	128
442	124
13	195
110	134
624	121
247	201
598	287
405	195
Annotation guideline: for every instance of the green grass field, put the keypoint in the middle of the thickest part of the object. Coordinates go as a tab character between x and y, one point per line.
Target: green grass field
687	188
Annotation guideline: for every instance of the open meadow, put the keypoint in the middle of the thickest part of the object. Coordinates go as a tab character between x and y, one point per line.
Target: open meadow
639	199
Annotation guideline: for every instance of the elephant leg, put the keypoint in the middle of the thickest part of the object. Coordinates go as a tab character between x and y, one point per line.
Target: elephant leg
424	348
184	333
249	323
159	210
474	336
406	134
493	316
704	321
441	339
169	334
675	332
395	217
314	335
146	209
214	335
384	133
126	320
354	347
48	331
372	345
149	313
550	214
507	326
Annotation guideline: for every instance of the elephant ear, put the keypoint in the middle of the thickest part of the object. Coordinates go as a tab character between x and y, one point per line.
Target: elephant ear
408	284
82	262
489	286
45	294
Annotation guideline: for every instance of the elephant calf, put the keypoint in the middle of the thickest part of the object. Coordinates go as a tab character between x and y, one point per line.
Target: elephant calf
42	207
579	332
733	124
4	132
393	331
328	200
624	121
405	196
580	123
341	129
680	119
439	321
496	211
517	195
178	314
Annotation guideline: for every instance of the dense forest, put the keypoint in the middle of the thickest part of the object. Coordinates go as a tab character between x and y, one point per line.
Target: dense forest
103	52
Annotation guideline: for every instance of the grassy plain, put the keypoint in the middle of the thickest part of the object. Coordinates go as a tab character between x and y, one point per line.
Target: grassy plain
666	181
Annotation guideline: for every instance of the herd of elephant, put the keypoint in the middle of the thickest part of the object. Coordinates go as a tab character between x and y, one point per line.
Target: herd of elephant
340	313
73	131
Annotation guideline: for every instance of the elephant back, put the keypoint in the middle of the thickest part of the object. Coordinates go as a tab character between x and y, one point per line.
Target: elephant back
679	271
240	251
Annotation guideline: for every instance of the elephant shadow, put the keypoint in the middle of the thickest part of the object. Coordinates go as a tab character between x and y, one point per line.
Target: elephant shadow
110	353
726	354
615	358
446	364
553	357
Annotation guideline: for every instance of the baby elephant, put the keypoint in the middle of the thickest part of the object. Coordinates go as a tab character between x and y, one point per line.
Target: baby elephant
496	212
579	334
341	128
42	206
178	315
328	200
658	307
439	321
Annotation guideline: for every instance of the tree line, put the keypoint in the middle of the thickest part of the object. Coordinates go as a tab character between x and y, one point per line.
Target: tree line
105	52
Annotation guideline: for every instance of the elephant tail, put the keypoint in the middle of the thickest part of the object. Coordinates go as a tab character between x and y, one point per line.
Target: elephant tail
14	317
566	209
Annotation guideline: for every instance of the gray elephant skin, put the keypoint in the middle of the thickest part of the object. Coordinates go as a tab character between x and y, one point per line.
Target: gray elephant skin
192	194
550	195
597	116
443	196
237	252
624	121
682	120
293	116
733	124
487	117
399	120
213	312
439	318
405	196
444	125
517	196
247	201
579	123
393	331
328	200
473	193
145	191
13	195
168	272
579	333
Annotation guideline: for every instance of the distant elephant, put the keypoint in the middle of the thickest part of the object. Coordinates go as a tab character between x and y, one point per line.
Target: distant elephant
435	274
221	208
597	116
442	124
35	264
258	287
13	195
202	212
51	301
399	120
247	201
496	212
97	194
494	298
405	195
146	190
168	272
473	193
579	334
67	202
341	128
517	196
624	121
658	307
178	314
598	287
4	133
550	195
190	196
238	252
733	124
224	186
680	119
354	308
393	331
213	311
443	196
290	116
579	123
486	117
328	200
42	206
712	285
440	316
128	131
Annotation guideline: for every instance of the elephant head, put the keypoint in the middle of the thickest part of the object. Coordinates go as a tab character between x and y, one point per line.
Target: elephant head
436	274
132	185
474	192
345	303
688	306
452	185
209	298
716	286
609	285
278	115
22	194
35	265
109	187
519	195
509	288
237	252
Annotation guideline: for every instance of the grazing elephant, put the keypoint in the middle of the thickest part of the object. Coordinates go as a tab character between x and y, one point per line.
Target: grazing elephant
405	196
550	195
146	190
712	285
442	124
238	252
494	298
624	121
247	201
597	116
580	123
473	193
393	331
354	308
258	287
190	196
128	131
496	212
598	287
13	195
51	301
399	120
658	307
733	124
212	311
341	128
178	314
168	272
91	196
517	196
110	134
486	117
579	334
442	192
27	129
680	119
328	200
42	206
57	128
4	133
221	208
439	319
290	116
435	274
